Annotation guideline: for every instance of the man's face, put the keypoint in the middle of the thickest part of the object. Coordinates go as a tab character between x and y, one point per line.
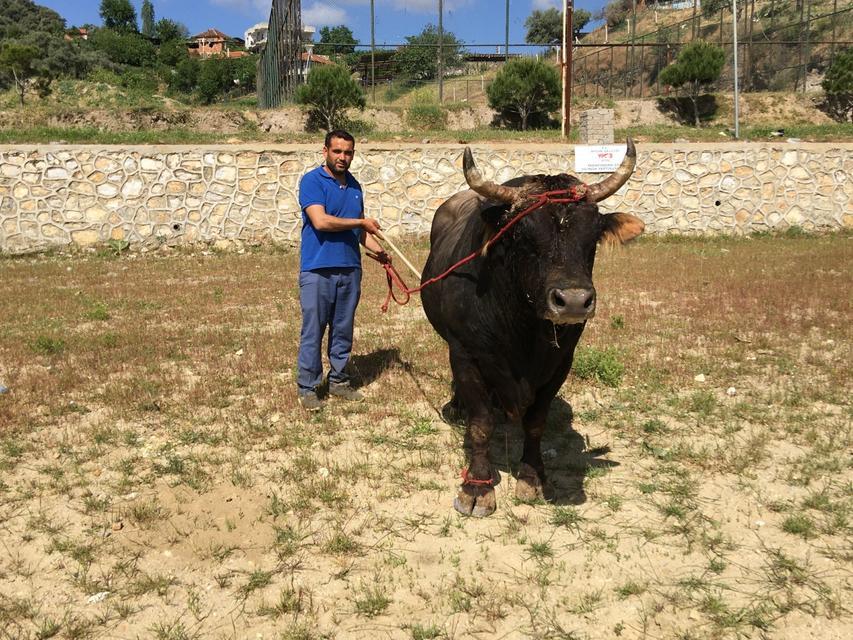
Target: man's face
338	155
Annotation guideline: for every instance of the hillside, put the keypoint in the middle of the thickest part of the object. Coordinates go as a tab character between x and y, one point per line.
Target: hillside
768	32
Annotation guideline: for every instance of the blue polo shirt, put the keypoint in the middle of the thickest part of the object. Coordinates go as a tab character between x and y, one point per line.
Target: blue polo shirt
322	249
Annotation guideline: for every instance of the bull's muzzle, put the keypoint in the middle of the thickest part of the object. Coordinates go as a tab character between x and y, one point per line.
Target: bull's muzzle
571	305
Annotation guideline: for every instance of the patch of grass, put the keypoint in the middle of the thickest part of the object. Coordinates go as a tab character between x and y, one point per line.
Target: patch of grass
371	601
600	365
540	550
97	311
289	602
630	588
341	544
47	345
426	632
258	579
799	524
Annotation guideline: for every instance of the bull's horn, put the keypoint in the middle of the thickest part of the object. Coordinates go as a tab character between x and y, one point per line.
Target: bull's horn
607	187
485	188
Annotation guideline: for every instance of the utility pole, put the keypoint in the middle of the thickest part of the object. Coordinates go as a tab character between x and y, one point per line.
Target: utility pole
440	52
373	52
506	34
633	35
568	11
734	41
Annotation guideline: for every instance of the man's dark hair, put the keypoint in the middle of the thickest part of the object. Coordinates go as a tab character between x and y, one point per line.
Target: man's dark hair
338	133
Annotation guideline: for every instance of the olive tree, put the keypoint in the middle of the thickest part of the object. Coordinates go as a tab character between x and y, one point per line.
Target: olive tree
329	92
523	88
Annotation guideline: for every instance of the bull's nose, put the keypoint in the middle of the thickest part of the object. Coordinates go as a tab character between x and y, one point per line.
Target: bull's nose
571	303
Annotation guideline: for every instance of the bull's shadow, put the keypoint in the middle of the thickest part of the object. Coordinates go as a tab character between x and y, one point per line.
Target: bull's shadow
567	459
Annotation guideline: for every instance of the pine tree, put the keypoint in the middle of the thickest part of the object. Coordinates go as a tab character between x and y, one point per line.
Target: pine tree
147	14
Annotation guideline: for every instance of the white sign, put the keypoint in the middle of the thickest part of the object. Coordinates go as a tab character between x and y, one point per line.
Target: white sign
600	158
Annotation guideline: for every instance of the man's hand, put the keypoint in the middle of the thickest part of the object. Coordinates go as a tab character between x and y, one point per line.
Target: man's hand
370	225
383	257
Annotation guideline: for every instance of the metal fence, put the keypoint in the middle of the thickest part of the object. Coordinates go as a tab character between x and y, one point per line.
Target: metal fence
280	62
776	52
783	45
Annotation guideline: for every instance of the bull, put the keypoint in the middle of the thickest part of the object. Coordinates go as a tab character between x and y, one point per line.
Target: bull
513	316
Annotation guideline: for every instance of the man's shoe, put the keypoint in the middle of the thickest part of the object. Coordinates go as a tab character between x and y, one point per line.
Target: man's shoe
310	401
344	391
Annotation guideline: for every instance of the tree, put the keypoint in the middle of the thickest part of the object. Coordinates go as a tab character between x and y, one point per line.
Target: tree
184	78
147	14
124	48
21	17
525	87
329	92
418	59
713	7
546	27
169	30
335	41
118	14
838	87
616	11
698	64
21	62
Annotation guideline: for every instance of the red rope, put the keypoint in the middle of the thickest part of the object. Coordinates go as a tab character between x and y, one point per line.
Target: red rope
574	194
474	482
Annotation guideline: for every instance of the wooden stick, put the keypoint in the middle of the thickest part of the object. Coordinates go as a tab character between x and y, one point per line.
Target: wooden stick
383	238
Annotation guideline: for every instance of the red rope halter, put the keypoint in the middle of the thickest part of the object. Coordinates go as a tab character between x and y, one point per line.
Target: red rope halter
574	193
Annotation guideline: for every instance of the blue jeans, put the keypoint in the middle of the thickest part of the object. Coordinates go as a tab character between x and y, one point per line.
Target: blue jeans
328	297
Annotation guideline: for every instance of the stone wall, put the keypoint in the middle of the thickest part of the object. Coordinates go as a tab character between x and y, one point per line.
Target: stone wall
53	196
596	126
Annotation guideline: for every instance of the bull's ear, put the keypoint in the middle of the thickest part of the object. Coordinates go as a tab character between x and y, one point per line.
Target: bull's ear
620	228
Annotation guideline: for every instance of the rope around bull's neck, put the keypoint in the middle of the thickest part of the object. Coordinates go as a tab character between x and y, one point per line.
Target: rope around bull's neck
575	193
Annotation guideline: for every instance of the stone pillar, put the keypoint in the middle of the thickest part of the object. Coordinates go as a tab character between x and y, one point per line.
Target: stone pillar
596	126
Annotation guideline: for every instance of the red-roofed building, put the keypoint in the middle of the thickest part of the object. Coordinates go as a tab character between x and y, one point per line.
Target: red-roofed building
213	42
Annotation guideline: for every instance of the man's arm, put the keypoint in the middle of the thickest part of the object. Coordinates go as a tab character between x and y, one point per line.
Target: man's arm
322	221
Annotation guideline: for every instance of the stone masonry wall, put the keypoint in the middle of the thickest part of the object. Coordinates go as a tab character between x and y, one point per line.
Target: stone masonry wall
596	126
52	196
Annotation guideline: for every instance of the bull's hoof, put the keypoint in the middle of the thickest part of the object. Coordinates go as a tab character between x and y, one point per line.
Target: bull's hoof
528	487
475	501
453	414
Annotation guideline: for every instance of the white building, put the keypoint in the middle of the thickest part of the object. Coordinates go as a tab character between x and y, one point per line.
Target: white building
256	36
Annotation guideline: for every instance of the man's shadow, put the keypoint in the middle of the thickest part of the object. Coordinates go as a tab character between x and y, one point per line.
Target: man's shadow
567	459
366	368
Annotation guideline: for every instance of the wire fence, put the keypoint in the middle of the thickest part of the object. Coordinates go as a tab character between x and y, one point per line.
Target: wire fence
776	52
783	46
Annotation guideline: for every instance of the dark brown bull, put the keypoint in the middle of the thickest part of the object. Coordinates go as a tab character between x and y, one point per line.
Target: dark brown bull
513	316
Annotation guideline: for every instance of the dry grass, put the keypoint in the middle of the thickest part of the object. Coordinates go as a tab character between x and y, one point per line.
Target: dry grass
151	448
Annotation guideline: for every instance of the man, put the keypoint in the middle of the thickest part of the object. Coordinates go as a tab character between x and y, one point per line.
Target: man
333	225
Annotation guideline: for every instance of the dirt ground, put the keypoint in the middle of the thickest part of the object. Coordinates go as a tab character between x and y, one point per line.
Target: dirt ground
158	479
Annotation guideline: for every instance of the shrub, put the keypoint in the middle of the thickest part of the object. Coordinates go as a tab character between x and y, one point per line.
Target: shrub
525	88
425	113
838	86
698	64
329	92
426	117
124	48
